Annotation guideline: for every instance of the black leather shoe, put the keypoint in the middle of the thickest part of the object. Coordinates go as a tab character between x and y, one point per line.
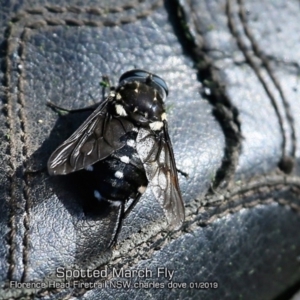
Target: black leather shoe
233	113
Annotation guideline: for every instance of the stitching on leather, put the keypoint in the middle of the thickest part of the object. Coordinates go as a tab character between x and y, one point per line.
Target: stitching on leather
45	21
225	112
78	9
24	141
265	61
13	179
12	153
194	220
233	29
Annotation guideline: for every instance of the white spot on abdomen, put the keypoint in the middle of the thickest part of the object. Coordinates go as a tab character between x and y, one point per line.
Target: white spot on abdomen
97	195
89	168
131	143
119	175
125	159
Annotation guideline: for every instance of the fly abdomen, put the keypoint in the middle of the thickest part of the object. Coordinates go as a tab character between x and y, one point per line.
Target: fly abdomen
122	175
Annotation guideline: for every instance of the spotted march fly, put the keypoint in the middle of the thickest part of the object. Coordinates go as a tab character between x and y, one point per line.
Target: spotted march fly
125	144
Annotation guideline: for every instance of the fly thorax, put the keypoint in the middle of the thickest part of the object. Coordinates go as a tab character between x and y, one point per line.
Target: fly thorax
141	103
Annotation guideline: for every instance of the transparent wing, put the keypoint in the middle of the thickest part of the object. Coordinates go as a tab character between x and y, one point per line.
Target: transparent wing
98	137
156	153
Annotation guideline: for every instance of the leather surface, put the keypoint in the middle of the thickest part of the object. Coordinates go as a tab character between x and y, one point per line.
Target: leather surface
232	71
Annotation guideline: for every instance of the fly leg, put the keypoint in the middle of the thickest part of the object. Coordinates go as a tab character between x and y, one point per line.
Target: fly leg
122	215
105	84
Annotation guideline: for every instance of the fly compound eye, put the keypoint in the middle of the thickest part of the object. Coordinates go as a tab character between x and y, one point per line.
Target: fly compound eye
148	78
161	83
134	75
